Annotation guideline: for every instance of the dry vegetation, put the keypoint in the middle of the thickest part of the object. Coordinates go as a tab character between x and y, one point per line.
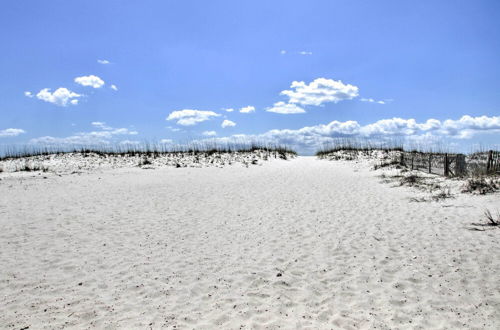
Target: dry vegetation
390	158
146	156
145	149
492	221
31	167
481	185
430	185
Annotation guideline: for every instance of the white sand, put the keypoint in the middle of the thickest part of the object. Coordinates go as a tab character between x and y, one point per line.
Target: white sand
302	244
71	163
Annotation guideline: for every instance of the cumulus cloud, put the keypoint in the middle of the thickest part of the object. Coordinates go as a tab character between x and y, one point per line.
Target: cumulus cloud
209	133
399	126
104	136
101	125
228	110
90	81
61	96
113	87
166	141
103	61
11	132
28	94
228	123
282	52
313	137
189	117
305	53
247	109
285	108
320	91
467	126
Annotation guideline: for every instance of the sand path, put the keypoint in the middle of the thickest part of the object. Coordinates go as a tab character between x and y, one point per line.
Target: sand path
297	244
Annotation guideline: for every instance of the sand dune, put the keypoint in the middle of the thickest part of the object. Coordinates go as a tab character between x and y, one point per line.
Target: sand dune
300	244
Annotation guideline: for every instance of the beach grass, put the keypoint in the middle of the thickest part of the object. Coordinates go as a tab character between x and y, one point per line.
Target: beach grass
145	149
63	158
431	158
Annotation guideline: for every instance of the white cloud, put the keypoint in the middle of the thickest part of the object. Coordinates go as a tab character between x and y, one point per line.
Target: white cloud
28	94
92	81
467	126
320	91
104	136
117	131
370	100
101	125
188	117
227	123
228	110
166	141
61	96
129	142
247	109
11	132
113	87
209	133
313	137
283	52
173	129
398	126
285	108
103	61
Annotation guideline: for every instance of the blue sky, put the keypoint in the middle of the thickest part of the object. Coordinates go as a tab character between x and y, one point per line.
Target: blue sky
112	71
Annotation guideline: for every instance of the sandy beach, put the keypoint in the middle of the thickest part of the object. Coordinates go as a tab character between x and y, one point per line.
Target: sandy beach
296	244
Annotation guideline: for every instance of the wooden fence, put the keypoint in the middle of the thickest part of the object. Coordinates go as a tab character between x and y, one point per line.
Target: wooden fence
448	164
484	162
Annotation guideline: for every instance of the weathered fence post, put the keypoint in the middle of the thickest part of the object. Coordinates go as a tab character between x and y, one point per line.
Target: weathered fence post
446	165
489	163
461	166
402	159
496	162
412	157
430	163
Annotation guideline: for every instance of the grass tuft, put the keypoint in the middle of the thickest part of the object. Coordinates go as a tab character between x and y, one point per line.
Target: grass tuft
390	163
492	221
480	185
145	161
442	194
26	167
410	180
